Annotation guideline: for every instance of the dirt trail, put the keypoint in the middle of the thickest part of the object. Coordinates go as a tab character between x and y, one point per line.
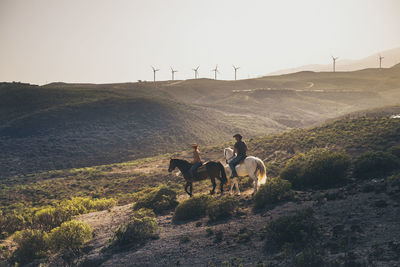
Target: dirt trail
359	220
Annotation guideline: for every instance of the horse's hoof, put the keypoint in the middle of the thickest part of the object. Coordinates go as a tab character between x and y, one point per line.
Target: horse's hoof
211	193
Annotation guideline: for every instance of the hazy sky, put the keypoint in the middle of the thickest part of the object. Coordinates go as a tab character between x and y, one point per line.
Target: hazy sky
117	41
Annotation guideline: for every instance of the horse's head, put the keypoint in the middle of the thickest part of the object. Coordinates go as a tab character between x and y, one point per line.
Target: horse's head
228	154
172	165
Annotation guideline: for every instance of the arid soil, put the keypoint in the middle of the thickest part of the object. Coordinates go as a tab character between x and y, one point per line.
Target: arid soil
359	224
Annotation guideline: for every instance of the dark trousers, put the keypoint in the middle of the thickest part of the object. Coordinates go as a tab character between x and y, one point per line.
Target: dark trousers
235	161
194	167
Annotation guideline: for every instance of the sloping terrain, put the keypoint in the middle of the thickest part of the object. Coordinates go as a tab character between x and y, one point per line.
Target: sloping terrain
358	220
61	125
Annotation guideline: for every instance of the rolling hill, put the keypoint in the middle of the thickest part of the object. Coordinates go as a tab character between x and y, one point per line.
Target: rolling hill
391	58
358	220
60	125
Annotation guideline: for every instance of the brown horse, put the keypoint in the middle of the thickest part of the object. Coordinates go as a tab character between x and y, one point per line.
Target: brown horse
212	170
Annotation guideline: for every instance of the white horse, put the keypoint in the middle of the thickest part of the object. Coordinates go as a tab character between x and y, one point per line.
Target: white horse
251	166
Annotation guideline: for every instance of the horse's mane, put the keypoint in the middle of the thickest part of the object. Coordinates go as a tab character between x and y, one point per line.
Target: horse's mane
182	160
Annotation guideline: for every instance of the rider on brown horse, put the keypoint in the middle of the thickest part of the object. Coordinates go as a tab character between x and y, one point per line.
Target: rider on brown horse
196	160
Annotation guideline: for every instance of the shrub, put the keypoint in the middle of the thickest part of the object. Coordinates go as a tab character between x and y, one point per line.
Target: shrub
318	167
85	204
272	192
395	150
70	236
160	199
142	226
9	223
371	164
221	208
394	180
246	183
31	244
48	218
102	204
310	257
298	229
191	209
51	217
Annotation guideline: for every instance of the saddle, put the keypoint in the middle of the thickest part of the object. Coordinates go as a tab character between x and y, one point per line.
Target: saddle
202	168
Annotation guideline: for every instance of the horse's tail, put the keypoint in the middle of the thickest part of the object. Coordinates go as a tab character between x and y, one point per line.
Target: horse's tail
262	173
224	180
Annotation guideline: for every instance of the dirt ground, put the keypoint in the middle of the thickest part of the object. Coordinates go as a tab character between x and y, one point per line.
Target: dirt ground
359	225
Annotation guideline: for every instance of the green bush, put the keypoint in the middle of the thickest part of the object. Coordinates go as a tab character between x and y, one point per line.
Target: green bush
222	208
246	183
318	167
141	227
298	229
372	164
395	150
85	204
159	199
191	209
48	218
70	236
9	223
31	244
394	180
273	191
310	257
102	204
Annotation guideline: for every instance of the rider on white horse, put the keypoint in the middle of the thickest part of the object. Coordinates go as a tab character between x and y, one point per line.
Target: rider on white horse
240	149
252	166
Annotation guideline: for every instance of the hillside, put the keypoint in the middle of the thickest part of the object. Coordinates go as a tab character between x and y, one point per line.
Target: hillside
60	125
391	58
358	219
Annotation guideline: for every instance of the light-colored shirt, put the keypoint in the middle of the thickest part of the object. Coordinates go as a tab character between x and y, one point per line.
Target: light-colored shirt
196	156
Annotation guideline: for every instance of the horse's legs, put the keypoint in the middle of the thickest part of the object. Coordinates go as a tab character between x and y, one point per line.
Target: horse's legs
255	178
221	186
191	189
232	185
186	186
214	185
236	182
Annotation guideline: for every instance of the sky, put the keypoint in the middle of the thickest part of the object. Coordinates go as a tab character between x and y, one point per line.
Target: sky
99	41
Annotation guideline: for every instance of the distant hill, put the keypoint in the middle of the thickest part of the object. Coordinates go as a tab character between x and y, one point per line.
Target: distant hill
60	125
391	57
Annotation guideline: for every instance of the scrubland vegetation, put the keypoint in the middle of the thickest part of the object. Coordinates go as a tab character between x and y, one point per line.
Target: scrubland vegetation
141	227
38	213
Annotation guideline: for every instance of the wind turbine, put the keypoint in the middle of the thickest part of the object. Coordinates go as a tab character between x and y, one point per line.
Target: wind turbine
215	71
380	61
154	73
334	63
235	68
196	71
173	73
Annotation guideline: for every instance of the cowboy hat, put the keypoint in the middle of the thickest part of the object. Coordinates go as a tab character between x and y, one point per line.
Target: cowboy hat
238	136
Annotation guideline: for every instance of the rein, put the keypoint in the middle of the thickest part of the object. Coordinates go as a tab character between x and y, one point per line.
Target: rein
227	160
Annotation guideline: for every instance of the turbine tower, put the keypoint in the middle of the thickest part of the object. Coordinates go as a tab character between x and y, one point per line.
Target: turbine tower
334	63
154	73
215	71
380	61
196	71
173	73
235	68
